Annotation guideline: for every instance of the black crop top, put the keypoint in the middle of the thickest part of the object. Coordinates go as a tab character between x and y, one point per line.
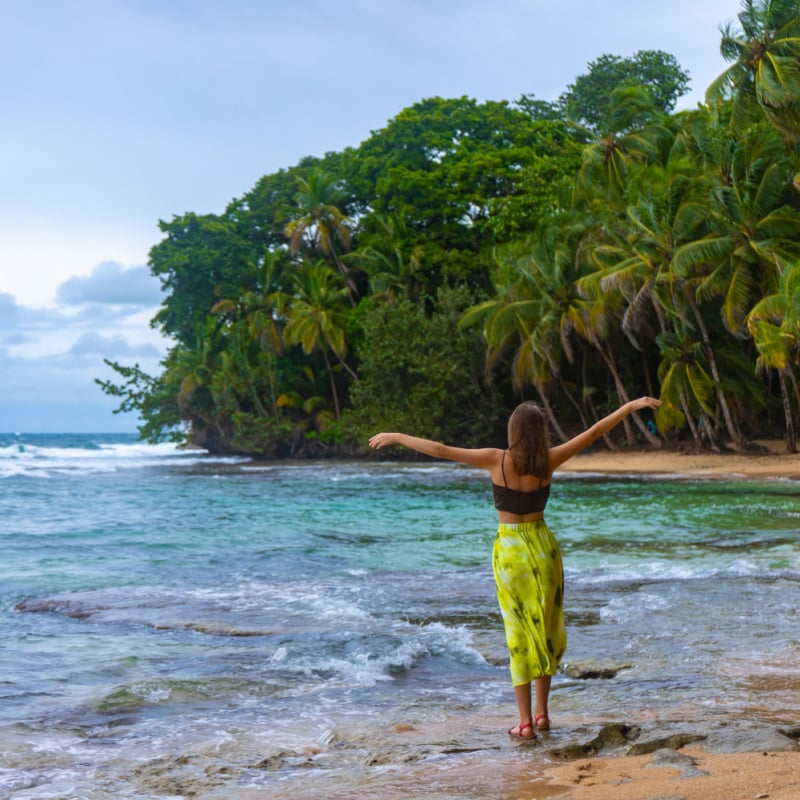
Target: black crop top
515	501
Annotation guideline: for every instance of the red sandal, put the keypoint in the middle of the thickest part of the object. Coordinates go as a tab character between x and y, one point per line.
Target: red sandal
517	734
542	725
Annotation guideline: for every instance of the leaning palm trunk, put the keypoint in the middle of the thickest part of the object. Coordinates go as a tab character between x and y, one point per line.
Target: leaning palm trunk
698	440
791	439
730	424
576	405
623	396
793	380
550	415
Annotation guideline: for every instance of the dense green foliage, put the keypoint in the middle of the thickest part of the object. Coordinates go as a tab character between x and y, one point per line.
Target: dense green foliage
469	254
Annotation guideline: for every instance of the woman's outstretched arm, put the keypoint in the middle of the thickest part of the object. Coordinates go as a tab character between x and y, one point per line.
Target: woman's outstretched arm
481	457
563	452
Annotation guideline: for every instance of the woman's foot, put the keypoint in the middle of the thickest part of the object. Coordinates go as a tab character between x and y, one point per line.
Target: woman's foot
522	731
542	722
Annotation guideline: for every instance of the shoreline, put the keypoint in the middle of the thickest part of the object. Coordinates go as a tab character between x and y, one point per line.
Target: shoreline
770	461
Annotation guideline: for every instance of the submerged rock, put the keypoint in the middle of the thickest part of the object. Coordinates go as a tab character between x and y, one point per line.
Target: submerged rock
680	761
592	670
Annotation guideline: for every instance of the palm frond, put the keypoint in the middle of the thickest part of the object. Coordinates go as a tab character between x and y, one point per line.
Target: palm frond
708	250
737	301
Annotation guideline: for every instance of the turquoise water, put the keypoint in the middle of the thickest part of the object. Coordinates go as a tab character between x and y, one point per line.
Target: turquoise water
176	624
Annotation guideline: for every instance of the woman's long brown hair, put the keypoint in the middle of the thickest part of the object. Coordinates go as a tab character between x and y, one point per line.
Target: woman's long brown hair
529	440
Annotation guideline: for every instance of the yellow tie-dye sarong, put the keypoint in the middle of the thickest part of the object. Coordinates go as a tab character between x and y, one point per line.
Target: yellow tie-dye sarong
530	589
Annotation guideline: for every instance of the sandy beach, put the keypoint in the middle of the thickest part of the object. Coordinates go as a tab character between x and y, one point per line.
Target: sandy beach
768	460
689	774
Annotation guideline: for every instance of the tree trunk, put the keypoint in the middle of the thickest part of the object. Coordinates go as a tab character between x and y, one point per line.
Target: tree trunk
791	439
608	357
733	431
338	357
333	383
793	380
574	402
647	378
551	416
698	440
345	273
706	429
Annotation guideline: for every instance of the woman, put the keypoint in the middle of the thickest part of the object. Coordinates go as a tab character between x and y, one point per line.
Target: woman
526	558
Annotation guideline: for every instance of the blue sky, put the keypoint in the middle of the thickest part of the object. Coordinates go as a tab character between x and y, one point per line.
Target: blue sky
118	113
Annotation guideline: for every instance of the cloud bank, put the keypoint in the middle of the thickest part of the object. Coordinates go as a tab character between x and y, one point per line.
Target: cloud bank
51	356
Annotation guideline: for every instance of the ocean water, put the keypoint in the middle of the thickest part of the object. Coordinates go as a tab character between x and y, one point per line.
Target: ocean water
175	624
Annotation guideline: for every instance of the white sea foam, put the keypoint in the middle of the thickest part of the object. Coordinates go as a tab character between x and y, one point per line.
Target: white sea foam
664	570
23	458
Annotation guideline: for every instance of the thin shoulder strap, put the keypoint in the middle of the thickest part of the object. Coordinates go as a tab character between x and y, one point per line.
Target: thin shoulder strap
503	469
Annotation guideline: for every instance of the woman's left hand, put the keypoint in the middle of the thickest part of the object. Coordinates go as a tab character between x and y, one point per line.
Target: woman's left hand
382	440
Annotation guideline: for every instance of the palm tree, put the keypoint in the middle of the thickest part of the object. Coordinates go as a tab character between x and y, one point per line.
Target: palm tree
317	318
774	324
260	309
393	263
591	317
750	229
686	386
517	319
634	260
196	369
764	78
320	223
632	135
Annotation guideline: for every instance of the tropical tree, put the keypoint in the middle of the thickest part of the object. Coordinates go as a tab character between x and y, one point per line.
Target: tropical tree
764	78
635	258
260	311
589	99
774	324
750	230
320	224
687	388
417	370
632	134
539	312
390	257
317	319
200	260
516	319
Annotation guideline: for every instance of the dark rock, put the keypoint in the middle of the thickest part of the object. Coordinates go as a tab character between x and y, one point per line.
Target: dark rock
749	740
610	736
672	742
790	733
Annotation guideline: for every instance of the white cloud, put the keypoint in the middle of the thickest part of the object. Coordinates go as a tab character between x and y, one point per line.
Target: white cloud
113	284
95	344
